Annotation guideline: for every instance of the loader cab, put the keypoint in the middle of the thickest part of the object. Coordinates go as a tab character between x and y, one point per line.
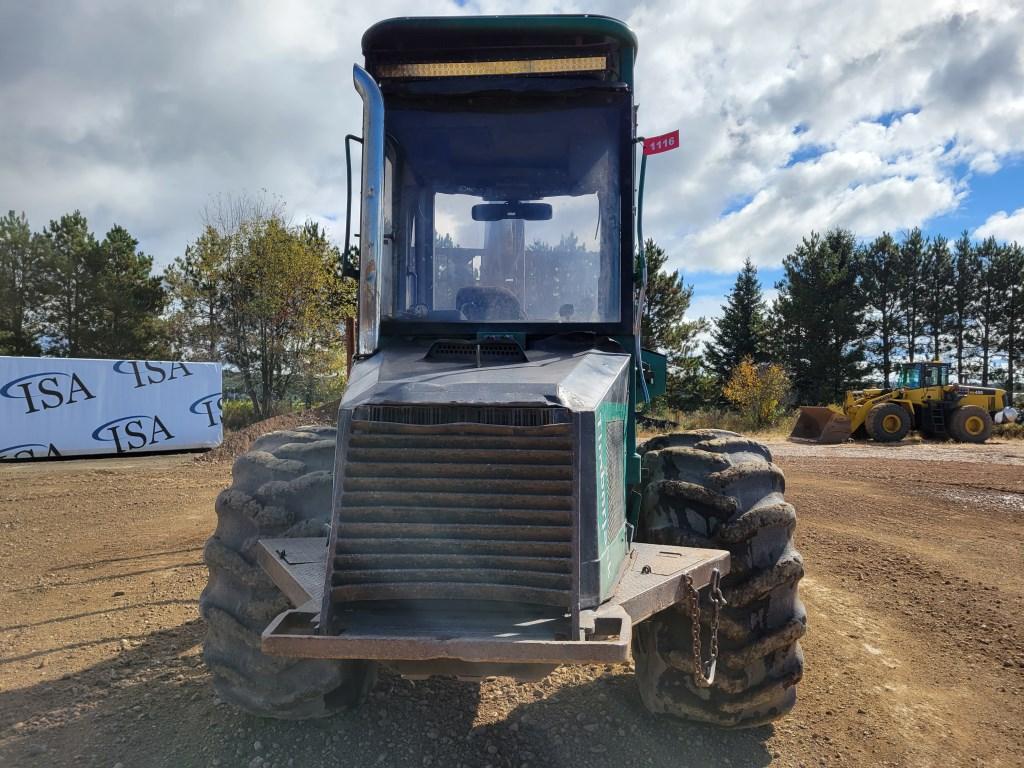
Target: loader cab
918	375
497	178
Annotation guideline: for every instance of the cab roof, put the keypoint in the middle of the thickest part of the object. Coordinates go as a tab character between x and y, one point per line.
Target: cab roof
429	33
392	46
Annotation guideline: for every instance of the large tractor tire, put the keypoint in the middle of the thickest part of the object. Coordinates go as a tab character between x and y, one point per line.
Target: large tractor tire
280	488
887	423
717	489
970	424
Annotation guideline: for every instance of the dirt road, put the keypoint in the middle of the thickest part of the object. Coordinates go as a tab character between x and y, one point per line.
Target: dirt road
915	656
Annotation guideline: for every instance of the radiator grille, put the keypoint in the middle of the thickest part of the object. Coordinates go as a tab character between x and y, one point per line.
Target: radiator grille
435	509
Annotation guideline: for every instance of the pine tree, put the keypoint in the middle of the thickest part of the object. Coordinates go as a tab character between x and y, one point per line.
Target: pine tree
131	298
820	316
937	298
1009	271
664	327
989	305
740	333
911	261
966	282
72	280
23	256
880	284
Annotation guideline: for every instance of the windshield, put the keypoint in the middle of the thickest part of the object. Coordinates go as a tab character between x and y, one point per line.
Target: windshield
503	216
910	376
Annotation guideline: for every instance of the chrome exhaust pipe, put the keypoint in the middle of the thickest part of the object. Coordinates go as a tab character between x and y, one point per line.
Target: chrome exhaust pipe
371	216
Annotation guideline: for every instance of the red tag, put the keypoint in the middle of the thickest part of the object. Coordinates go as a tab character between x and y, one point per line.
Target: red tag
663	143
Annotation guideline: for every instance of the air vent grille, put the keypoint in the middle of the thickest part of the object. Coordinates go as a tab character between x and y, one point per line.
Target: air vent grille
434	509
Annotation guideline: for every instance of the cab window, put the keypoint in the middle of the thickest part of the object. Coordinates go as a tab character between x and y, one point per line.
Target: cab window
910	376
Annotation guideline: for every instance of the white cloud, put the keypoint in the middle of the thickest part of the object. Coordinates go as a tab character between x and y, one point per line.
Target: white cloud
139	113
1003	226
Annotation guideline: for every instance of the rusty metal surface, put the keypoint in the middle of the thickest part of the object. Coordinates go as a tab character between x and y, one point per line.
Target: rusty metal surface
475	629
296	566
451	630
653	579
822	425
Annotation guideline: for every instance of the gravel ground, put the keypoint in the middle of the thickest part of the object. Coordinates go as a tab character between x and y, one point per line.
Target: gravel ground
915	654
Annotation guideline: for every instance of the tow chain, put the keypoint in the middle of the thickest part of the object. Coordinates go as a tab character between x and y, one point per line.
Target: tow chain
704	672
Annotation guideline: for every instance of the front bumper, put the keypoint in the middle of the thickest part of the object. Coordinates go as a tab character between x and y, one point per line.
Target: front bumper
474	633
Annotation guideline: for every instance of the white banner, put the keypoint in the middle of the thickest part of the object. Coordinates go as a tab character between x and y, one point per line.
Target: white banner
53	406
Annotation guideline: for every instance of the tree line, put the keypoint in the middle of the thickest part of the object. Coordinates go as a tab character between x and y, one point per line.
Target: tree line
65	292
847	312
266	297
253	291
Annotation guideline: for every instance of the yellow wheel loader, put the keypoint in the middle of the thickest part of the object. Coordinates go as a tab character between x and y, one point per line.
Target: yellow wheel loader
923	399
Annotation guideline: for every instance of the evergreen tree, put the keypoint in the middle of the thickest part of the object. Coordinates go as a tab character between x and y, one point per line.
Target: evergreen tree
131	298
72	280
664	328
1009	270
989	305
936	289
23	256
740	333
966	282
880	283
911	270
820	316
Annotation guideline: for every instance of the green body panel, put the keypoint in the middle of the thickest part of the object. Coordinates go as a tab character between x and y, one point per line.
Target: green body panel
612	540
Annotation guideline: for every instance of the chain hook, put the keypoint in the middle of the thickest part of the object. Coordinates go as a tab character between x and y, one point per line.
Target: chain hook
704	672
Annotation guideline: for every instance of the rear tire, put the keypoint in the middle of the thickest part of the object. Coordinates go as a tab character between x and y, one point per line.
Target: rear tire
970	424
712	488
887	423
281	488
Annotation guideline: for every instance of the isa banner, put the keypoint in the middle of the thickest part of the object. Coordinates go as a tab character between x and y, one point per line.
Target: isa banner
67	407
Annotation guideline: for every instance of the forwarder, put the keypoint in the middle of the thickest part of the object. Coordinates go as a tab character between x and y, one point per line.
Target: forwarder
923	399
483	507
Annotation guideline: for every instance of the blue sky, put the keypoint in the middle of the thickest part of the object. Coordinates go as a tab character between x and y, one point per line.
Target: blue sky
985	194
876	116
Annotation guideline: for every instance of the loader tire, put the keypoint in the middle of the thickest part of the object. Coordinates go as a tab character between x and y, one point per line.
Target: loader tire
887	423
717	489
280	488
970	424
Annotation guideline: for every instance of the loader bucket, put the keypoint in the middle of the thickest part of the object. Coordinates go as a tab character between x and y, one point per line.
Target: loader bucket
822	425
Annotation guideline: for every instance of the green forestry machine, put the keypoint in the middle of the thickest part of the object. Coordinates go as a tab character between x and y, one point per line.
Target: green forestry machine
482	507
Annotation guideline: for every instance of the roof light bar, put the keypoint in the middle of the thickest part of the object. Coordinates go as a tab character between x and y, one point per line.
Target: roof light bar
508	67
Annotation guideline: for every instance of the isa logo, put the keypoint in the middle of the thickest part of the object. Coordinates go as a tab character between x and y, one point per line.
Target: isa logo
29	451
46	390
208	406
132	433
146	373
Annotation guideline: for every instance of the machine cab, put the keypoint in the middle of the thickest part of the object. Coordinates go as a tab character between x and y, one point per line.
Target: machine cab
918	375
505	178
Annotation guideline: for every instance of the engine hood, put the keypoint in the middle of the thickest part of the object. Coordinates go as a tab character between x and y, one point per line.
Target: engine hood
577	379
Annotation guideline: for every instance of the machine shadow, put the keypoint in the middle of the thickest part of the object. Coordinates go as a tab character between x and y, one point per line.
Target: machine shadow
153	704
